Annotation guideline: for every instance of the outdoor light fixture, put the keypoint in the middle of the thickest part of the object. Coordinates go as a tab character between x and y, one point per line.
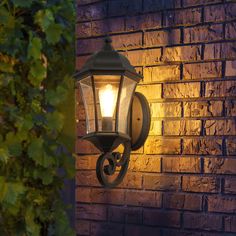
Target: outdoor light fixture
115	113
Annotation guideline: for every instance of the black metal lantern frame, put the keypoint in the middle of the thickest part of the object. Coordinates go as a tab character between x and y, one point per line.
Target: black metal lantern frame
115	113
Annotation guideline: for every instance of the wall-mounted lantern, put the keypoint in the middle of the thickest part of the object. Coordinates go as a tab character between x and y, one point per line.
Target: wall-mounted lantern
115	113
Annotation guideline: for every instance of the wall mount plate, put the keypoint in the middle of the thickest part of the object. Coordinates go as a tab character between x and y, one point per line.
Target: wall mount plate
140	121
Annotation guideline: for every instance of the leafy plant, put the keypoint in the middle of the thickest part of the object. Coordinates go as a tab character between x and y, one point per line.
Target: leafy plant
36	62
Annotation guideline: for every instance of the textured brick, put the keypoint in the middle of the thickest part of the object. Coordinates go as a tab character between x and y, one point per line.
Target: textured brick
183	17
230	224
170	189
86	162
142	22
80	61
214	13
82	227
178	165
85	147
230	186
81	128
128	215
153	5
167	109
86	178
88	45
159	218
102	27
230	30
144	57
145	163
203	109
221	204
107	196
161	73
220	166
203	33
177	232
127	41
231	146
161	182
182	201
182	53
220	88
92	212
182	90
220	51
162	37
108	228
188	3
91	12
144	198
202	146
200	184
83	30
150	91
138	230
155	127
81	2
205	70
221	12
83	194
202	221
156	145
182	127
220	127
132	180
230	68
121	7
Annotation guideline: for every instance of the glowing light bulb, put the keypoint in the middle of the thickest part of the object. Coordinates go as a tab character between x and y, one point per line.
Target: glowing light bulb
107	98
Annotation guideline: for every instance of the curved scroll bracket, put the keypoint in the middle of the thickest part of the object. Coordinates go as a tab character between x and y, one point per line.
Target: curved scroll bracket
107	165
140	121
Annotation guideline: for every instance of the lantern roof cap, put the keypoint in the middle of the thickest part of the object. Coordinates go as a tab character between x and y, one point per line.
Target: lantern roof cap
107	60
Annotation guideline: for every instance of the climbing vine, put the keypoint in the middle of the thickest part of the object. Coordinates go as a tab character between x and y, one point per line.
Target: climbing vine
36	63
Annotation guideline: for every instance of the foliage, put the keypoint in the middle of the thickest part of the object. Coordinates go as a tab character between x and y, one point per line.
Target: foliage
36	62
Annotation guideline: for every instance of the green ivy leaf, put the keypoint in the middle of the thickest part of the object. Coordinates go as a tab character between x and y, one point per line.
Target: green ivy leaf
22	3
35	149
62	225
32	227
55	97
14	144
34	48
44	175
5	16
44	18
37	152
10	191
6	67
37	73
4	155
55	121
53	33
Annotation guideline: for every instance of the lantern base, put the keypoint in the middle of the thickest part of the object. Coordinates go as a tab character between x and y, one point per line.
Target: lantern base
140	121
106	141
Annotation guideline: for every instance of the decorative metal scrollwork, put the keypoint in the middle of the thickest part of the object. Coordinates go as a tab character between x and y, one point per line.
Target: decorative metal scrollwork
107	164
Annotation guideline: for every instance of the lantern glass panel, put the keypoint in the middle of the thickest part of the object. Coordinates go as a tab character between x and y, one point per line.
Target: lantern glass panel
128	87
106	90
88	100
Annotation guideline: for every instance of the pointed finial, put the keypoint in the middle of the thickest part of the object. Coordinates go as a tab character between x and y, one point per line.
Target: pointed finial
108	39
108	44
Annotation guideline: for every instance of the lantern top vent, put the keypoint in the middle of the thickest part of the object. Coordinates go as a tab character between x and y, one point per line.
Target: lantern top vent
108	61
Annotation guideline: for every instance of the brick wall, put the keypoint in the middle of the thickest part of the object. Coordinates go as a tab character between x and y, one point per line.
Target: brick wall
183	181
